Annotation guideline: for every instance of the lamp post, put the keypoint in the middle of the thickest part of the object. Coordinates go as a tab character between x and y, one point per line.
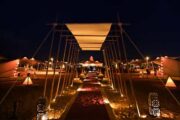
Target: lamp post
52	62
147	62
147	66
116	65
52	59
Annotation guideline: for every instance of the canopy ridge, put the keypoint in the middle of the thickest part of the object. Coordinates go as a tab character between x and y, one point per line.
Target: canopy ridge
90	36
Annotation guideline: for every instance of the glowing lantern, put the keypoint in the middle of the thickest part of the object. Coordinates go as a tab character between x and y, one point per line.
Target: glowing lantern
106	101
147	58
116	65
32	59
91	58
52	59
63	66
25	58
28	80
170	83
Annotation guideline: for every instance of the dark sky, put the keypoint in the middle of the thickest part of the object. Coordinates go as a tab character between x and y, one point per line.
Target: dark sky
154	24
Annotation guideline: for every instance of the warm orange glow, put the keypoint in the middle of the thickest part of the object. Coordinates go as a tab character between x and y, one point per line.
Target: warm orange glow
90	39
28	81
143	116
147	58
25	58
91	58
52	59
89	28
63	66
170	83
49	72
32	59
115	105
90	45
93	42
95	49
106	101
8	69
90	36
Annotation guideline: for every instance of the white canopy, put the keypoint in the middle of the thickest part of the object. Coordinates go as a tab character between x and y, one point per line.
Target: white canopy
90	36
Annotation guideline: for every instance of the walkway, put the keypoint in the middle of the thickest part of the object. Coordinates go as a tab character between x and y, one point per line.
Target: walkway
89	103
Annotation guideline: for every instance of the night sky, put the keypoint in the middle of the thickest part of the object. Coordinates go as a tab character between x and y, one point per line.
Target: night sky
154	24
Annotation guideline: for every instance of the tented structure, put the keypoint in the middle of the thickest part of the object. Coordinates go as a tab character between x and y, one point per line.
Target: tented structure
28	81
26	61
95	64
91	63
8	68
90	36
170	83
169	66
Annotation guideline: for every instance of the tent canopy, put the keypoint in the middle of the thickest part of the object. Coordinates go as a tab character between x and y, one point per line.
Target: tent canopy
90	36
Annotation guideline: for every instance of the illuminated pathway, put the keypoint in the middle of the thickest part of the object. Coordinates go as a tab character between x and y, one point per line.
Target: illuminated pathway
89	103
